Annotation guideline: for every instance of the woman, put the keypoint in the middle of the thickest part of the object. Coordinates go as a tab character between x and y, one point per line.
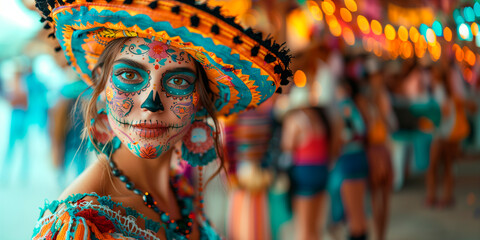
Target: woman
380	122
445	148
306	135
347	181
159	69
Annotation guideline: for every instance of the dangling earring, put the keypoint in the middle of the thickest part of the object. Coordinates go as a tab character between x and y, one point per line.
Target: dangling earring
198	145
102	137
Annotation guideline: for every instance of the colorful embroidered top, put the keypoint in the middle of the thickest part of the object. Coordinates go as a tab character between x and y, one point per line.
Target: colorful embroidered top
75	218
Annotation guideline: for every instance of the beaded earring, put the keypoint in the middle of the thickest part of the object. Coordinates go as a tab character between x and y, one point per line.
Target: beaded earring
198	145
102	137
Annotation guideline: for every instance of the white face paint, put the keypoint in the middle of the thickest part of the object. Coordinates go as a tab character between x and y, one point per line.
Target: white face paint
151	97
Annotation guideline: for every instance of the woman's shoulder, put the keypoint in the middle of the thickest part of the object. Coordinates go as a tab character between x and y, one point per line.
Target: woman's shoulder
89	214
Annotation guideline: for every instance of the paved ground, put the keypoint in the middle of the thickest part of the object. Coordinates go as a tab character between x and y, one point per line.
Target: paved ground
21	197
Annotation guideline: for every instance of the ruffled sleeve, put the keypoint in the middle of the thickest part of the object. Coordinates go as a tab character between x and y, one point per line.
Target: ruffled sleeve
73	221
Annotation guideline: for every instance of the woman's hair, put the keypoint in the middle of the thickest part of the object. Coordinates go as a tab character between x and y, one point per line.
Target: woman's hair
100	74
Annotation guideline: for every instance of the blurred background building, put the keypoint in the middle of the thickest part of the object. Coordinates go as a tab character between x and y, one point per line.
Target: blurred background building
384	104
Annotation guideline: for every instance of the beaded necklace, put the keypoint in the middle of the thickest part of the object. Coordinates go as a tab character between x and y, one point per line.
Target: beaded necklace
183	226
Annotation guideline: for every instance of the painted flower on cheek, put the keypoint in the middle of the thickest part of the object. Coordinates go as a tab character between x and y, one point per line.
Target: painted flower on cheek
109	93
158	50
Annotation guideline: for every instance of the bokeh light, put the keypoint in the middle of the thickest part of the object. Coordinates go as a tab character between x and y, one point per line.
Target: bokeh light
328	7
414	34
464	31
299	78
459	55
348	36
346	15
376	27
476	9
351	5
390	32
430	36
469	56
403	33
437	28
363	24
435	51
334	26
447	34
469	14
315	10
474	28
406	50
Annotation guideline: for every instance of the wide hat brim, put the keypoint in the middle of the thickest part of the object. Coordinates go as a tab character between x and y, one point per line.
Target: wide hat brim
243	68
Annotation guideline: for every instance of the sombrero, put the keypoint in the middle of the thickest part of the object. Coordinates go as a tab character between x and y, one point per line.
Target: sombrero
244	68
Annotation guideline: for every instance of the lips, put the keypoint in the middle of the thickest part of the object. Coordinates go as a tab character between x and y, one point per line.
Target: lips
149	130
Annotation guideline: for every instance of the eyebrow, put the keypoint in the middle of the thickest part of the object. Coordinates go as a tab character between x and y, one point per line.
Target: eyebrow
181	69
131	63
143	67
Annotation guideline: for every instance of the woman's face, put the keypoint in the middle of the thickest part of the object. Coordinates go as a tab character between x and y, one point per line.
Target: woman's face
151	96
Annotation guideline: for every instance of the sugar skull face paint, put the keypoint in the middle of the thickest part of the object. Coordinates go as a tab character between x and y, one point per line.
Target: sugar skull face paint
151	96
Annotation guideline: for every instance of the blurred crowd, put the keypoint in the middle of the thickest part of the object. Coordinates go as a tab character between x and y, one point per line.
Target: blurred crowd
327	154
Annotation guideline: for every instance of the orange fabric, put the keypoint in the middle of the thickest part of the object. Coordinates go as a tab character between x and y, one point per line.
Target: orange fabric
98	234
378	132
461	128
46	228
80	231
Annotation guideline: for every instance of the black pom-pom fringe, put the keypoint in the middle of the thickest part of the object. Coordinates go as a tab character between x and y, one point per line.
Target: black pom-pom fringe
237	40
47	26
71	1
127	1
254	51
176	9
194	21
58	49
269	58
42	20
51	3
61	2
278	50
42	5
279	90
277	69
215	29
284	82
51	35
153	4
89	0
109	1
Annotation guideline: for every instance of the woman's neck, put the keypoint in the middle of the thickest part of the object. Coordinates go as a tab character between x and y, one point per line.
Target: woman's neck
148	175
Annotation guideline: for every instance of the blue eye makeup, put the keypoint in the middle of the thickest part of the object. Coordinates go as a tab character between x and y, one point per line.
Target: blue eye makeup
179	84
128	78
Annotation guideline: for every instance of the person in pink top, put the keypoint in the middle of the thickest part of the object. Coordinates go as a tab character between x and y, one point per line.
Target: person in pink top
306	135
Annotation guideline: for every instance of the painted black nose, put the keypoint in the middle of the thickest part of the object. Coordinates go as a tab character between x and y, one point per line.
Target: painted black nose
153	105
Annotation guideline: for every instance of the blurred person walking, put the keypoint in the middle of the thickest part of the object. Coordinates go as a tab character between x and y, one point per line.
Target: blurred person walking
307	138
381	121
453	129
347	182
19	102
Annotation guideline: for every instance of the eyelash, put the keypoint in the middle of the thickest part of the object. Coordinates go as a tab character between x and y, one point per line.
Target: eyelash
119	72
188	83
